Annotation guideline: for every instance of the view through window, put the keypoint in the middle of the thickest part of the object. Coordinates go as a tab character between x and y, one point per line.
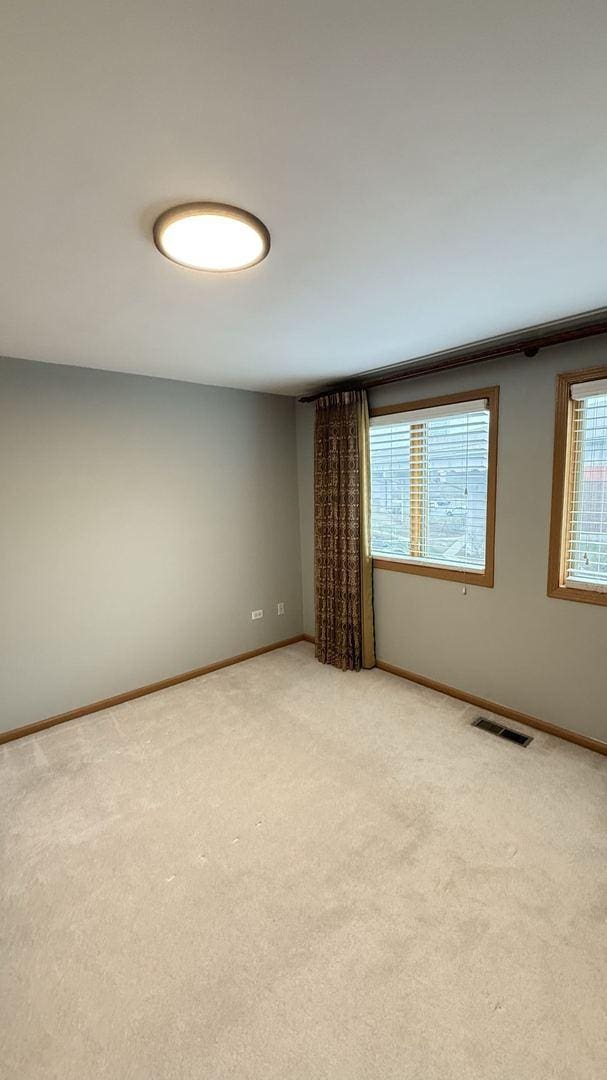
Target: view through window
586	546
429	484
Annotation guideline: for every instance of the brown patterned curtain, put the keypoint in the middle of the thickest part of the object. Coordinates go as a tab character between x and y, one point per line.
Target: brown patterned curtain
342	560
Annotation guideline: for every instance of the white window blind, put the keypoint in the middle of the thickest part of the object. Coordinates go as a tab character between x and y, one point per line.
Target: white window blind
429	472
586	521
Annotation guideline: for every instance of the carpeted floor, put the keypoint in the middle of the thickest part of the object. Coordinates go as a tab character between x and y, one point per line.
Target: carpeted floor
283	872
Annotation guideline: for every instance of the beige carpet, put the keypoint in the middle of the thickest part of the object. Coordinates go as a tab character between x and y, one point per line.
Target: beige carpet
281	871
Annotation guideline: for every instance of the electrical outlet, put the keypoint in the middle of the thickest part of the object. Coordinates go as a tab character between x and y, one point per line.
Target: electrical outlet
280	608
257	614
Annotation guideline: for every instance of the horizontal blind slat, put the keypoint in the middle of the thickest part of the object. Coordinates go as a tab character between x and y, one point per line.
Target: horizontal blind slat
586	550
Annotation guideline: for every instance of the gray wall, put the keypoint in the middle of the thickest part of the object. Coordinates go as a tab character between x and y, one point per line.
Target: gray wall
511	644
142	521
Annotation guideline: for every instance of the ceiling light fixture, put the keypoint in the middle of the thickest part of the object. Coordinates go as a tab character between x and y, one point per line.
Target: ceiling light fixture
211	236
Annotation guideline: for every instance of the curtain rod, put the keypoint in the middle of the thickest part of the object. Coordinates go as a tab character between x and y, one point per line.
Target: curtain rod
528	341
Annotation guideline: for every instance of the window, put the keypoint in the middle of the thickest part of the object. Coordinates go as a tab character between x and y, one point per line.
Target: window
577	566
433	473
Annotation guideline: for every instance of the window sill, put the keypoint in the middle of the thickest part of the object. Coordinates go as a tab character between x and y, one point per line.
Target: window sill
467	577
583	596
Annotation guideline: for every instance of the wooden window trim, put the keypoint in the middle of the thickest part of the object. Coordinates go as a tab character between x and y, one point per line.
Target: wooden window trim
468	577
562	481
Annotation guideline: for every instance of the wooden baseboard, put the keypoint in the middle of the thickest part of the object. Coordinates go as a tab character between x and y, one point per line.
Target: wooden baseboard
501	710
442	688
490	706
141	691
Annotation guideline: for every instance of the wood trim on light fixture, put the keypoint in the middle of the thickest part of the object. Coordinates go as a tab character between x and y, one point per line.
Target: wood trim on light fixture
561	489
485	577
193	209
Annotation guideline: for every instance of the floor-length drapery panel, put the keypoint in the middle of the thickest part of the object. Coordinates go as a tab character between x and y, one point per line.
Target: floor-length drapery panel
342	559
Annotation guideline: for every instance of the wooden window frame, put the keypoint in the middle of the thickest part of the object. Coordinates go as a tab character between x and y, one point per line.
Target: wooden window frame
435	570
562	481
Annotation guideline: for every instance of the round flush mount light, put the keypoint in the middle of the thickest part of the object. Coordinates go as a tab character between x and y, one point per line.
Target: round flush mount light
211	236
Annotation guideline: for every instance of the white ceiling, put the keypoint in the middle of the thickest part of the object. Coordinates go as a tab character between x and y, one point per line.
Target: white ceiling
431	172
